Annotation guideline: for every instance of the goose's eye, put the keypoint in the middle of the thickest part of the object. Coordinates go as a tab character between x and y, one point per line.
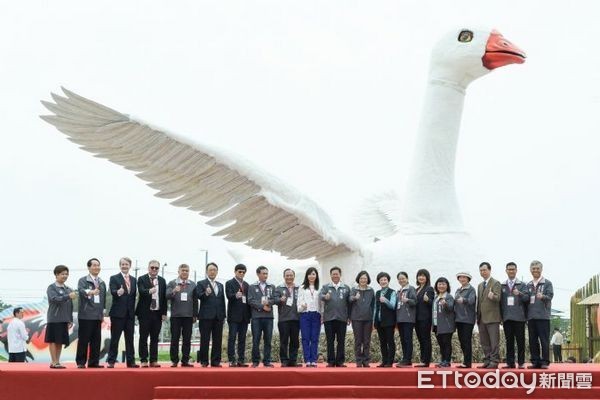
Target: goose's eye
465	36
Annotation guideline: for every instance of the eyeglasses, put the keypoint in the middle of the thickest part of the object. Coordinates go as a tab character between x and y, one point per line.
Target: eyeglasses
154	268
239	271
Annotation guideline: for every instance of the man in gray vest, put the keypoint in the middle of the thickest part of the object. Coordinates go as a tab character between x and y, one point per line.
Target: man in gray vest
92	301
181	292
335	297
286	298
261	299
513	303
540	293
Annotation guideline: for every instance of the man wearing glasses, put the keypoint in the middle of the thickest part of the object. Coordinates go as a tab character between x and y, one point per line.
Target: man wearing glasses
238	316
151	312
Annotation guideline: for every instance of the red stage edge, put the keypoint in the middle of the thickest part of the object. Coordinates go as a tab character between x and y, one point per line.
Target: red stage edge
37	381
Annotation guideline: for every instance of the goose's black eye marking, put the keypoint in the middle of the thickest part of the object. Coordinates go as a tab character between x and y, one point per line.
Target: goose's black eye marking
465	36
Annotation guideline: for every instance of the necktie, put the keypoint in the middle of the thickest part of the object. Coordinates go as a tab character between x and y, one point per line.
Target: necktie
215	287
153	304
484	284
95	283
127	283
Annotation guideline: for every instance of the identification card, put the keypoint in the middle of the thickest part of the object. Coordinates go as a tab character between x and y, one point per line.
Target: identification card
184	296
244	299
510	301
97	298
289	301
265	300
532	299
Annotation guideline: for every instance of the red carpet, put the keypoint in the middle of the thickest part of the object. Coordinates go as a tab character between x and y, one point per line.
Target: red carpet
37	381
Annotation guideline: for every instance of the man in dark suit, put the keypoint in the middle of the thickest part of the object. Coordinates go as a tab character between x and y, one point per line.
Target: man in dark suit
151	312
238	316
211	316
122	313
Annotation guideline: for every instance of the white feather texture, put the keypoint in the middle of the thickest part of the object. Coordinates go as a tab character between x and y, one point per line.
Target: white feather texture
249	205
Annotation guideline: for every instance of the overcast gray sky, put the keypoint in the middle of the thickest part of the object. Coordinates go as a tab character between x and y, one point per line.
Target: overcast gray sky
324	94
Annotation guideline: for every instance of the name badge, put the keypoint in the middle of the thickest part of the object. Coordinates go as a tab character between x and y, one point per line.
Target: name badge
265	299
244	299
289	301
97	298
532	299
510	301
184	296
341	293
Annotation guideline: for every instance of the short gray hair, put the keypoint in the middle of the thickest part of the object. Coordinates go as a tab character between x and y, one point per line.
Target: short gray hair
153	262
536	263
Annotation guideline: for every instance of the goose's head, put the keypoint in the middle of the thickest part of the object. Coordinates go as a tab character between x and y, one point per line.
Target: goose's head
464	55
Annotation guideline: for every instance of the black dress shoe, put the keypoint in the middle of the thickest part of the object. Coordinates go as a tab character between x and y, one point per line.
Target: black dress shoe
254	365
366	365
483	366
242	365
340	365
133	366
188	365
268	365
534	366
110	365
294	365
330	365
154	365
215	365
80	366
233	365
95	366
174	365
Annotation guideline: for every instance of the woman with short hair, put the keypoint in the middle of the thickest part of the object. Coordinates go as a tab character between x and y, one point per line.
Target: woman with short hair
60	315
362	303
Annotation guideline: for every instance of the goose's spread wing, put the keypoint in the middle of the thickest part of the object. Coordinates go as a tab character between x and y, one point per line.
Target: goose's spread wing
251	206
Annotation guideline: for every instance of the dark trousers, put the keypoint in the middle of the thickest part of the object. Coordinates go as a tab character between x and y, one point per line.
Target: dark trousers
336	331
261	327
310	325
445	342
289	336
387	344
210	328
237	330
17	357
423	331
149	326
117	327
362	340
557	350
539	339
181	327
465	337
515	330
89	336
405	329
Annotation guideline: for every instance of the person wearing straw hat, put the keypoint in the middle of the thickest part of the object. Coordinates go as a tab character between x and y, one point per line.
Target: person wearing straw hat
465	300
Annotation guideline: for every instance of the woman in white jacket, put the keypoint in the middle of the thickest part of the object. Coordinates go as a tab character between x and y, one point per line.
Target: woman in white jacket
310	310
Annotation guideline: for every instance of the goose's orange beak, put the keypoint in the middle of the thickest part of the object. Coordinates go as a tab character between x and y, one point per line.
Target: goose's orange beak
500	52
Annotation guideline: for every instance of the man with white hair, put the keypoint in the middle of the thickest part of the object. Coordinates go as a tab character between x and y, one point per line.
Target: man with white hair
540	292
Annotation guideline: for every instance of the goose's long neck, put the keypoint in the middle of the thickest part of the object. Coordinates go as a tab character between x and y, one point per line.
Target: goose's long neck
431	204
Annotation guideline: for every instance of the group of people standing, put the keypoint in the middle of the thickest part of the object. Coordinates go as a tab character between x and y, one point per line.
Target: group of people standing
302	309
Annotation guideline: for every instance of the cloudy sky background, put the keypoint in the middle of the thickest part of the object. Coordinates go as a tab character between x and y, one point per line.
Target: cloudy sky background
325	95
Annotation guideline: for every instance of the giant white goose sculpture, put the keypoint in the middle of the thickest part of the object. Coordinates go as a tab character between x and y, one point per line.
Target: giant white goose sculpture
255	208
